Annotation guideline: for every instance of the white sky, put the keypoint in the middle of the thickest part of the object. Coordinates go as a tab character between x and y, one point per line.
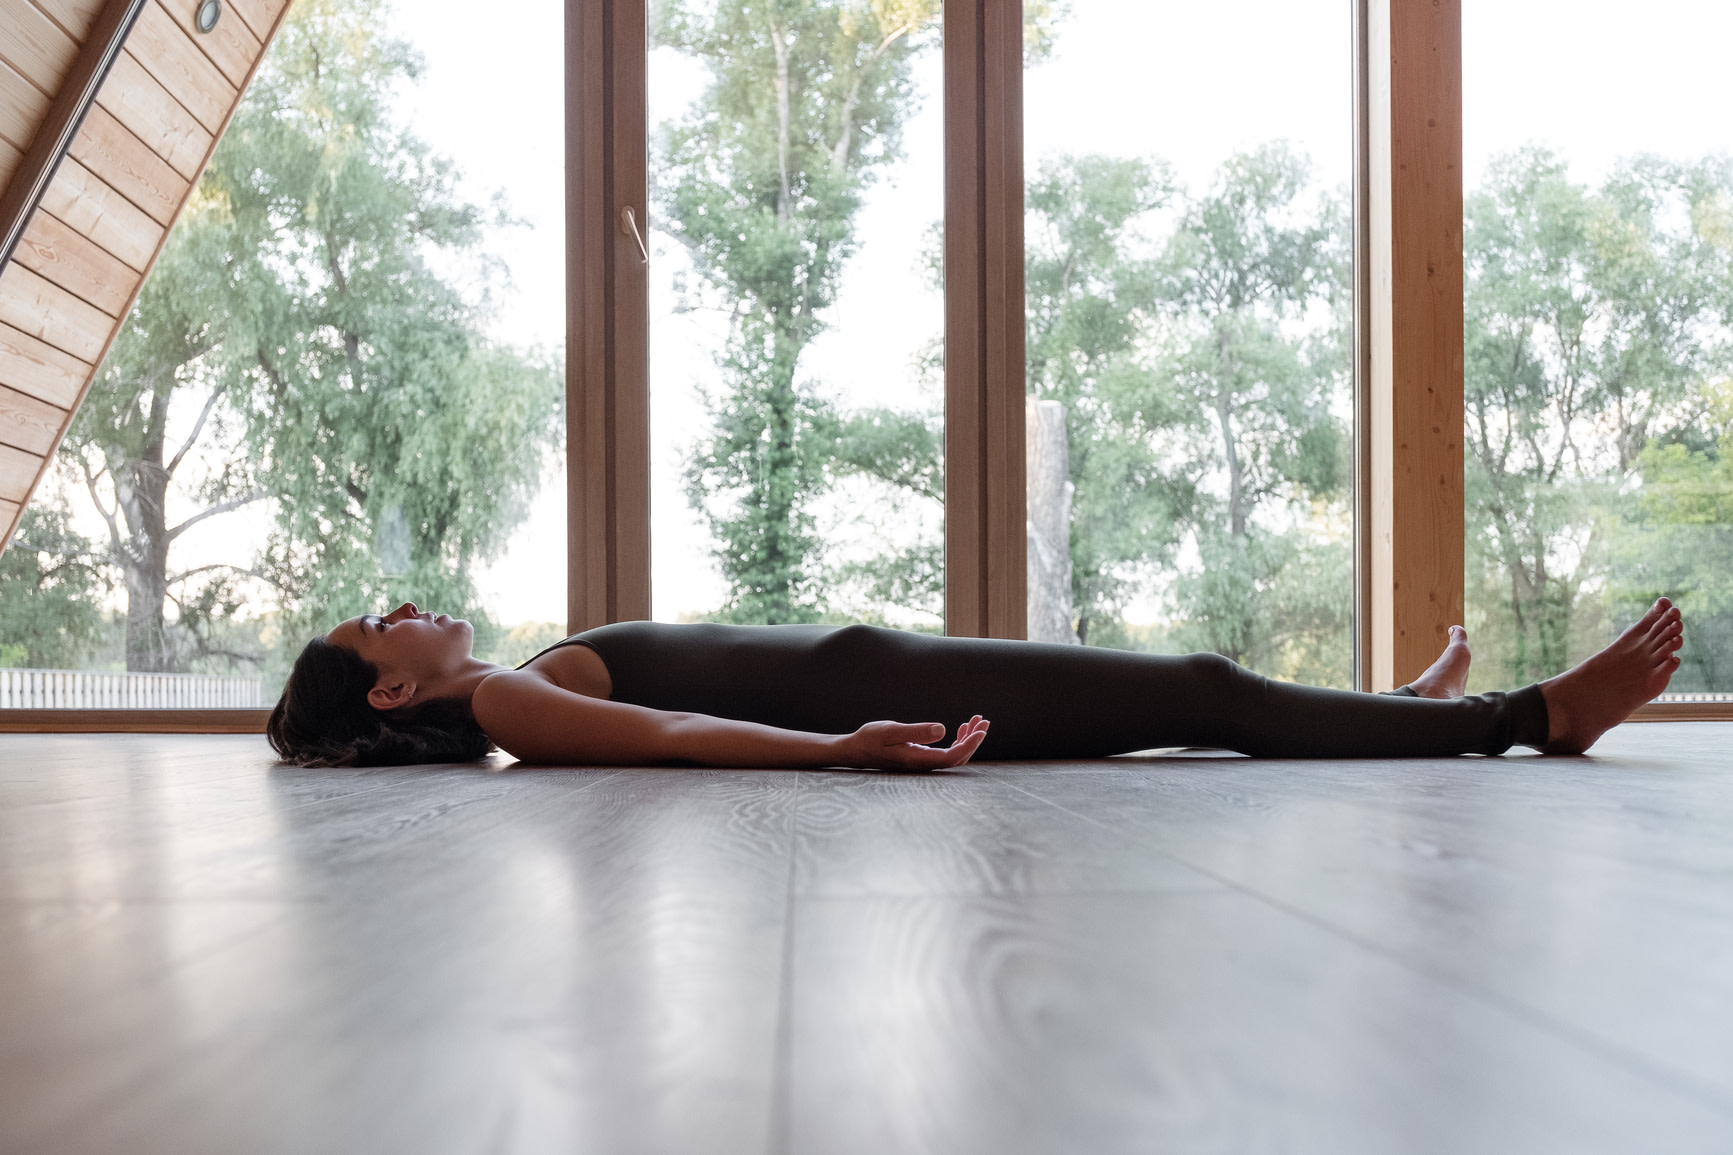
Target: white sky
1186	81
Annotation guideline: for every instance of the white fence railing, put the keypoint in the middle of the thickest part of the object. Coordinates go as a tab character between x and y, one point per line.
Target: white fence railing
88	690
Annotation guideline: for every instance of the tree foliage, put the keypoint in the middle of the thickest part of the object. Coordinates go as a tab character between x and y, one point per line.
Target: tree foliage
1596	324
300	343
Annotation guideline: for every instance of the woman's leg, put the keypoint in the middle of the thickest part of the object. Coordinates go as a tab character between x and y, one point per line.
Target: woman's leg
1051	701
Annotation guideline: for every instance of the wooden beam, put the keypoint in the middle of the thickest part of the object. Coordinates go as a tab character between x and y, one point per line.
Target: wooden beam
226	721
986	539
1414	322
65	114
607	315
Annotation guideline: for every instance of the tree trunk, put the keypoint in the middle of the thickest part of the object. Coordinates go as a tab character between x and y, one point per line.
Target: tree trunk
141	490
1050	491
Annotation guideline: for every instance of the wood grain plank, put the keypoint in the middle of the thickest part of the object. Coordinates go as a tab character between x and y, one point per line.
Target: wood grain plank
77	264
127	165
22	107
231	45
18	470
29	424
39	369
46	311
960	833
219	721
31	43
135	99
10	158
82	200
10	512
260	16
75	16
1415	443
1210	1022
175	61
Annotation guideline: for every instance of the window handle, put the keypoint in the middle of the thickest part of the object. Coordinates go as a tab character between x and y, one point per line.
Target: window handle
629	226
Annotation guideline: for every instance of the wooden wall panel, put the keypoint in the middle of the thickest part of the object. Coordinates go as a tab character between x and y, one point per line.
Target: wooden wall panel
87	204
17	473
41	370
260	16
22	107
10	158
1414	247
231	45
175	61
986	537
607	316
56	252
35	46
125	164
29	424
135	99
43	309
74	16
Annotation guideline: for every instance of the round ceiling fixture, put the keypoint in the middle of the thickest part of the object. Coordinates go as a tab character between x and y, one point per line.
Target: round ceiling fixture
209	12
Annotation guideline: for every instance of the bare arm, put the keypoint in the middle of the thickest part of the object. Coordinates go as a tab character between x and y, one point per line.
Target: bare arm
531	718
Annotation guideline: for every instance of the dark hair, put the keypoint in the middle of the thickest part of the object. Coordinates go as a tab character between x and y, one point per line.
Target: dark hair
323	718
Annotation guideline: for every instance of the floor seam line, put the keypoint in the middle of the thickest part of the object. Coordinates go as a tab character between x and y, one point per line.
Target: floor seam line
782	1061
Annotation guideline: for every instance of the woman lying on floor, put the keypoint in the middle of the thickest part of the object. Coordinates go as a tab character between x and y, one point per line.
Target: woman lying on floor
404	688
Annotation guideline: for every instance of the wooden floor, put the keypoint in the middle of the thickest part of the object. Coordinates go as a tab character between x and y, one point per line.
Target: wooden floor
202	953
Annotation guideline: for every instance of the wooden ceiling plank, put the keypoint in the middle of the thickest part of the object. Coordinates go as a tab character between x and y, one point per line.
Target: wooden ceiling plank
22	107
29	424
231	45
127	165
10	159
133	97
170	56
260	16
61	254
9	511
76	17
18	471
39	369
80	198
31	43
46	311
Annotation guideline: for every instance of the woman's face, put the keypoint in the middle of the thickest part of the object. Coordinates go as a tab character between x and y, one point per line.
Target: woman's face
406	642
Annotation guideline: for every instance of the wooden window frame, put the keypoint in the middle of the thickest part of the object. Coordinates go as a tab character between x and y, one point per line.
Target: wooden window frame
1408	339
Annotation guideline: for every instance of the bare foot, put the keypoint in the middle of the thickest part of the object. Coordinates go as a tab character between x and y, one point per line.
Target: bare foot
1591	698
1448	676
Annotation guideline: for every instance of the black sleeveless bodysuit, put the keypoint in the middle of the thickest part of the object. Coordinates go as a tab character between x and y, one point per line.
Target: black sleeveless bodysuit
1044	701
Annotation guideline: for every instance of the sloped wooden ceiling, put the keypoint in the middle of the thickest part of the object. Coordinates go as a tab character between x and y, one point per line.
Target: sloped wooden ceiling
160	108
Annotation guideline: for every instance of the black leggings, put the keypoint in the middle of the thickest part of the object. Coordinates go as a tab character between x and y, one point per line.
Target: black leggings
1045	701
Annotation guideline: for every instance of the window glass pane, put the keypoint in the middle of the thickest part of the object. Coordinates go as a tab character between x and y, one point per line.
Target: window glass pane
796	312
1188	247
341	385
1598	240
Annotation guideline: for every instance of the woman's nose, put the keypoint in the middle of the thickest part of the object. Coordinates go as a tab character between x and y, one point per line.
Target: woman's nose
406	610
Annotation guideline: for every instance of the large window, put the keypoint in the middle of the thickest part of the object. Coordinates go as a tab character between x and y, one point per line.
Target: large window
1189	173
340	386
797	312
1599	298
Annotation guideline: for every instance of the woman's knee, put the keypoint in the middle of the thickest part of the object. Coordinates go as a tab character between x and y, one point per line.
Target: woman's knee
1221	676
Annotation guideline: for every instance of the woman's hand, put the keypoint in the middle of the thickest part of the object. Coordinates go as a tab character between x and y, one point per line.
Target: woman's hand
899	745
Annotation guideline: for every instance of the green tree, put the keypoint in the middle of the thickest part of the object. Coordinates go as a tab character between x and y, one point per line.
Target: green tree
762	181
299	313
1594	317
1092	298
52	580
1249	262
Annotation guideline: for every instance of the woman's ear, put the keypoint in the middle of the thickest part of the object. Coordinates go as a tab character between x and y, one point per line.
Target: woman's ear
390	697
